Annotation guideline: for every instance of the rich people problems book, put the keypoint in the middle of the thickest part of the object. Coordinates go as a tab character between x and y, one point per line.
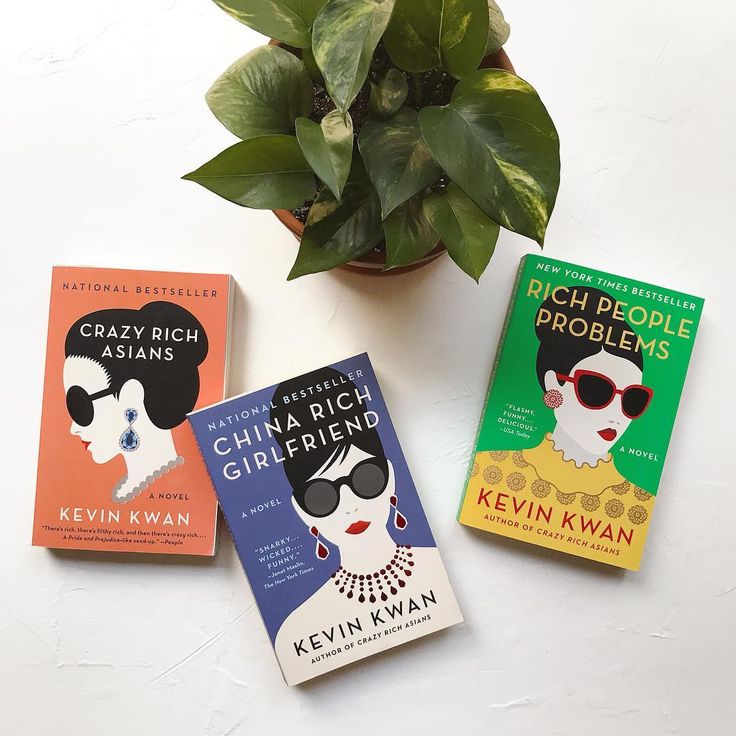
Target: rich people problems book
129	354
326	519
580	410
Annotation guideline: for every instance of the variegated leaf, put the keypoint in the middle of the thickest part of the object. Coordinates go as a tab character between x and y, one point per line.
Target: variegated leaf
424	34
328	147
463	35
339	232
497	141
468	233
388	95
398	161
344	37
268	172
312	68
409	234
412	36
288	21
498	29
262	93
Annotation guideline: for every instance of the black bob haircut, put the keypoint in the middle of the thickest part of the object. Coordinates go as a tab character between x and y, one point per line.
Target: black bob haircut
304	465
171	387
559	350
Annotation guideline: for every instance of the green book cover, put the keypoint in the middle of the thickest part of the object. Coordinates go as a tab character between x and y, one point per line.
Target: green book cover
580	410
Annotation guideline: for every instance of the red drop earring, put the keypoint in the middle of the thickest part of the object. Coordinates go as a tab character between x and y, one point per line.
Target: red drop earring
553	398
400	521
321	550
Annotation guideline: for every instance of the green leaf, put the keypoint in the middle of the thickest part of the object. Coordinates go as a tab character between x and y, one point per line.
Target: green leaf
497	141
399	162
388	95
338	232
288	21
344	37
463	35
269	172
328	147
409	234
424	34
412	36
262	93
498	29
467	232
312	68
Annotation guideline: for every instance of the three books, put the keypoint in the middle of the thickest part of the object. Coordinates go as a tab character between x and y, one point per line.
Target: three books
309	472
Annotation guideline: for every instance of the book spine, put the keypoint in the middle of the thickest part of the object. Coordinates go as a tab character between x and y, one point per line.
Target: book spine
225	391
36	522
499	350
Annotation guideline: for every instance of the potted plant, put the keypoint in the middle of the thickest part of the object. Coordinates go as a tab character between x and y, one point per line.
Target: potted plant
375	132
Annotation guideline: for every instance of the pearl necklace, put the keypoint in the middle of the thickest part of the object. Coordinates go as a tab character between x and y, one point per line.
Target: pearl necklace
147	481
374	585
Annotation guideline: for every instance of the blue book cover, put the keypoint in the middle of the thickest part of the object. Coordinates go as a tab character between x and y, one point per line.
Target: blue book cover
325	517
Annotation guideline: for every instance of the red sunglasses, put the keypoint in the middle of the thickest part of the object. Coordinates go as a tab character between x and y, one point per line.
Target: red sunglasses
596	391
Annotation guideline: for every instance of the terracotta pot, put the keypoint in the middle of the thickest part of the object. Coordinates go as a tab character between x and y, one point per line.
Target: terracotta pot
372	263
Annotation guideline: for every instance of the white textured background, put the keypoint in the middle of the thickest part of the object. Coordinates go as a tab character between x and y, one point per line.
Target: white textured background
101	111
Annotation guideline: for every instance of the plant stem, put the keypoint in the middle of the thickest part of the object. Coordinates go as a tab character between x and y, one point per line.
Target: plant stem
417	83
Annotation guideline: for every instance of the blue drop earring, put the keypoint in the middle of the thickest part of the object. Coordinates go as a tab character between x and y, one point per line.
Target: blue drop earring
129	440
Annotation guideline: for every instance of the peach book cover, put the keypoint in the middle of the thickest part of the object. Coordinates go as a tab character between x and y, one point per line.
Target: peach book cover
129	354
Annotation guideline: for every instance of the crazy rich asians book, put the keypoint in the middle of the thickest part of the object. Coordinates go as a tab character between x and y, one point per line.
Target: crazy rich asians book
129	354
325	518
580	410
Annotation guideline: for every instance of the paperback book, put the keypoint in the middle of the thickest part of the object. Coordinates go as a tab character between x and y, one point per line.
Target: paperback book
325	518
580	410
128	355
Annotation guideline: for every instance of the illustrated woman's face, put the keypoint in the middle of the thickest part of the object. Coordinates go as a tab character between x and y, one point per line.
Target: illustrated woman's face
348	496
98	422
601	397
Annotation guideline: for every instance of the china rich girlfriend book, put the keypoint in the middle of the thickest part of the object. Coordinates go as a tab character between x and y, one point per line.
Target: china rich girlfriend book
325	518
579	412
128	355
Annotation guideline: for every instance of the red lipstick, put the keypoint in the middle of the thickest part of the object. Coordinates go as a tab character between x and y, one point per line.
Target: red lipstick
608	434
358	527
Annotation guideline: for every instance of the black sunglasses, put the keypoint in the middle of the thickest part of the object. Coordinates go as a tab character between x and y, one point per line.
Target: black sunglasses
80	404
368	479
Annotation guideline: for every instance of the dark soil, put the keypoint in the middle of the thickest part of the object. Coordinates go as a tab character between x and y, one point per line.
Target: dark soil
301	212
429	88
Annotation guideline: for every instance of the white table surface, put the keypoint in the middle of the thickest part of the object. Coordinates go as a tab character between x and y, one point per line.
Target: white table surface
102	111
